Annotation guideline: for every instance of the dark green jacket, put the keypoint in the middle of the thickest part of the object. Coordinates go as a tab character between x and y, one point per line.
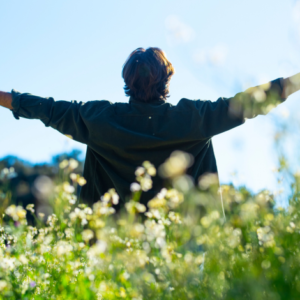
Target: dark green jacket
121	136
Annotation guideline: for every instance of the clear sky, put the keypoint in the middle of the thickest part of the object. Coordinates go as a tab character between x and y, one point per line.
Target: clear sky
76	49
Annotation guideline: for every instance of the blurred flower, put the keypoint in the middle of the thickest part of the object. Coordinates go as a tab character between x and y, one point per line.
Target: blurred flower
155	231
137	230
263	198
16	212
161	251
146	183
64	164
96	249
81	181
140	171
78	214
68	188
8	264
87	235
3	285
69	233
41	215
200	259
174	217
52	219
73	164
88	211
143	176
72	198
174	198
176	165
259	95
183	183
207	180
205	221
101	208
110	196
150	169
8	173
265	236
234	238
73	176
266	264
135	207
249	211
23	259
43	187
135	187
30	207
62	248
157	202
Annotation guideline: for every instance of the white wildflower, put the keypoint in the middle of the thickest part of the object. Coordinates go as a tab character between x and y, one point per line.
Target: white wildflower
87	235
146	183
63	248
140	171
3	285
23	259
176	164
81	181
135	187
73	176
16	212
73	164
115	199
68	188
96	249
30	207
265	236
64	164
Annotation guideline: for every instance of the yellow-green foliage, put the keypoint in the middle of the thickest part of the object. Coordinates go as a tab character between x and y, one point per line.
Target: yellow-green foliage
182	247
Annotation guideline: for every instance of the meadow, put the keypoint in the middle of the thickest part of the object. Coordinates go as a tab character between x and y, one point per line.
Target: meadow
184	245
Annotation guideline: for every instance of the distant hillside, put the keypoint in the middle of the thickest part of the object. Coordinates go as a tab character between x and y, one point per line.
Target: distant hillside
25	186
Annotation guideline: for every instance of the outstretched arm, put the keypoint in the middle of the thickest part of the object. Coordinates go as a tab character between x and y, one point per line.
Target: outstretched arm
261	99
63	116
5	100
77	119
227	113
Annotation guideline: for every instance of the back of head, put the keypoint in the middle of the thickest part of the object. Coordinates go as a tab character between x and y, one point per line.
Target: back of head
147	74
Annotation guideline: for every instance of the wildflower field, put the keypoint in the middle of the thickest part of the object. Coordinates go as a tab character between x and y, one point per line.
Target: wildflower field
185	245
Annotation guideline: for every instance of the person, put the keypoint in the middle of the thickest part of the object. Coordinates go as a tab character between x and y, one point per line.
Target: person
121	136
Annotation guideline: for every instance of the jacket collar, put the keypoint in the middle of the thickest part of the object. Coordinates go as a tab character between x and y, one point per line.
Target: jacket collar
153	102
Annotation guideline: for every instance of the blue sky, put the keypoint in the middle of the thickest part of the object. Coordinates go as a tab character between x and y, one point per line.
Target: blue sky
75	50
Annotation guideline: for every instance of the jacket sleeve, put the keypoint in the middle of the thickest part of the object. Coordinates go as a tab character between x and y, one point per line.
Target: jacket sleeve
227	113
68	117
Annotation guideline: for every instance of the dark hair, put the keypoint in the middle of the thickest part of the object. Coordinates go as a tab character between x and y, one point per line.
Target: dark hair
147	74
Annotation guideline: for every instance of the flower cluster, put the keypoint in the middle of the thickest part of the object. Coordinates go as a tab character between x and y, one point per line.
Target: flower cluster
179	246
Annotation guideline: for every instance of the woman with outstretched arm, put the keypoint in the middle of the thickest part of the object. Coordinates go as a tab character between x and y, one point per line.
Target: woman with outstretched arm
120	136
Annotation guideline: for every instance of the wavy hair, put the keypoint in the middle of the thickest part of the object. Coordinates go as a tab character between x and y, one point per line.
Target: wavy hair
147	74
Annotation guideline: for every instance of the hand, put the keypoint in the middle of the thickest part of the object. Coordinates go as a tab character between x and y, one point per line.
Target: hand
6	100
291	85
